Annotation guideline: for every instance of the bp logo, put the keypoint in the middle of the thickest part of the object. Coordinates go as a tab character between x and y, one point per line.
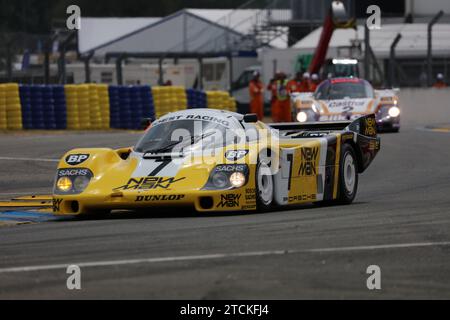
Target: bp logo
76	159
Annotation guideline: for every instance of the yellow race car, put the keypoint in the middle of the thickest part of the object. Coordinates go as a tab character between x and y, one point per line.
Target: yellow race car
219	161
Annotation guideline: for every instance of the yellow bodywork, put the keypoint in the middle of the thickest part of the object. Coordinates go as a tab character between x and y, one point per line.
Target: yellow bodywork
112	188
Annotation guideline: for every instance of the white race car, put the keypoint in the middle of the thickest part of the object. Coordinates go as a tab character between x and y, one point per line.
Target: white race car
348	99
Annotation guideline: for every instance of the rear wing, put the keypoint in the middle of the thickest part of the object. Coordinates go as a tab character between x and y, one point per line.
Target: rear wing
366	126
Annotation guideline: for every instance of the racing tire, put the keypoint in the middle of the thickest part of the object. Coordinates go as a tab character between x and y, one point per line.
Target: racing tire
348	175
265	187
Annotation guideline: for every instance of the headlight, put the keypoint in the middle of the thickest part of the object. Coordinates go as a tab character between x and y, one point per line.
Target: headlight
302	117
72	181
64	184
227	176
220	180
394	112
80	183
237	179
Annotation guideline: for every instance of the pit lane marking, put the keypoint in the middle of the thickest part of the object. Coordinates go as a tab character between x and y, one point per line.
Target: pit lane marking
222	256
28	159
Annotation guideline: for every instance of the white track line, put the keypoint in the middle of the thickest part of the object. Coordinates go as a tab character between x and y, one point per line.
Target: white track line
221	256
28	159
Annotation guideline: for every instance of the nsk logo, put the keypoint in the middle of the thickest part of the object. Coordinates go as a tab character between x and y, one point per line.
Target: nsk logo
308	165
149	183
229	201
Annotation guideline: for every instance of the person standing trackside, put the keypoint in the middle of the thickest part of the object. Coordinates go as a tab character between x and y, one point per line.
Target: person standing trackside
314	82
272	87
256	88
440	83
283	101
295	84
306	83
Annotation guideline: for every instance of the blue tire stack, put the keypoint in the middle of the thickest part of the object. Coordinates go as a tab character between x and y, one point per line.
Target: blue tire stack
136	107
48	107
114	105
37	107
196	99
59	98
25	100
148	105
125	108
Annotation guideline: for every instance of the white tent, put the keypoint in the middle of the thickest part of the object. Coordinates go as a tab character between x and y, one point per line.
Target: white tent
189	30
96	32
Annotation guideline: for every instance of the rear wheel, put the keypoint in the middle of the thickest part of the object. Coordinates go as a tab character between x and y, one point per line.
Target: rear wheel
264	187
348	175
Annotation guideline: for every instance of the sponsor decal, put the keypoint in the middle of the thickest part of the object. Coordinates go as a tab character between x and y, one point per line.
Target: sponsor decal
308	165
345	80
229	201
220	121
57	204
73	172
155	198
348	136
370	127
235	155
252	207
346	104
339	117
250	195
302	197
374	145
231	168
76	159
148	183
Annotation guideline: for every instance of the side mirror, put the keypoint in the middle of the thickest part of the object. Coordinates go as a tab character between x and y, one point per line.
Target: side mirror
250	118
145	123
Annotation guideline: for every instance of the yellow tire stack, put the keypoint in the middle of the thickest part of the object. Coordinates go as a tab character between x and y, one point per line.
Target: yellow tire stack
73	115
180	102
84	107
231	104
94	107
103	99
221	100
13	107
215	100
3	122
161	98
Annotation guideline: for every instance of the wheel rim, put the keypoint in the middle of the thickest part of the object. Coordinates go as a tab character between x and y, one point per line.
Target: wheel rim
265	184
349	173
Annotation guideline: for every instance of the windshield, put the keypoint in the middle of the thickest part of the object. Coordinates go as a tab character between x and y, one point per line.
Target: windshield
185	132
351	89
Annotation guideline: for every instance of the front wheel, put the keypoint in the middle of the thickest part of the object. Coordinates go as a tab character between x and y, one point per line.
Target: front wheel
264	187
348	175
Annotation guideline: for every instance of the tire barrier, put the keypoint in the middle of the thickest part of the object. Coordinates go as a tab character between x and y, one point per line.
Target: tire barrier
59	99
129	105
98	106
3	121
169	99
12	106
221	100
196	99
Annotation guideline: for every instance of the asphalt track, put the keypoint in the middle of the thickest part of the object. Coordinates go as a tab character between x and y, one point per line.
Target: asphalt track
400	221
